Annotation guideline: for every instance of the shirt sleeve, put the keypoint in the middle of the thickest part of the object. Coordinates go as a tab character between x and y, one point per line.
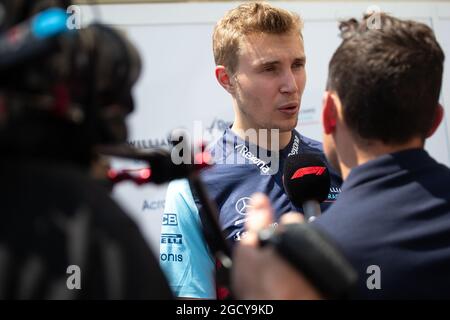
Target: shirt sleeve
184	255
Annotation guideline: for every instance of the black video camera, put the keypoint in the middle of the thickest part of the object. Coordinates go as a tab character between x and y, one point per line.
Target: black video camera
81	76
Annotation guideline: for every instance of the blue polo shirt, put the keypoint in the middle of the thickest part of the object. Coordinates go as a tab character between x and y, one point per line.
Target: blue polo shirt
241	169
392	221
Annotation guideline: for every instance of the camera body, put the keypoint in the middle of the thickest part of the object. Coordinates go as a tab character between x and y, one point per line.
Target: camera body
81	78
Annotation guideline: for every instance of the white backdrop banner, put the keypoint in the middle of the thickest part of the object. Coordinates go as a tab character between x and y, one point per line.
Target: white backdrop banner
178	89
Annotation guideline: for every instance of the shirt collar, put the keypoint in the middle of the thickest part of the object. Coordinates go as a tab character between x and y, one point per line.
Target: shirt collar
392	163
231	137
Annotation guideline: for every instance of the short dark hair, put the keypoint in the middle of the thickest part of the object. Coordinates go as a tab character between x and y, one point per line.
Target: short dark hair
388	78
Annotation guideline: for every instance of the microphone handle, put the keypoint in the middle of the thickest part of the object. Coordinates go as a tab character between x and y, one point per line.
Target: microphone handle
311	210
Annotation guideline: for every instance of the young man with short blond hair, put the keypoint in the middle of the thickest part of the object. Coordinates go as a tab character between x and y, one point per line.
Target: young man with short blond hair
260	62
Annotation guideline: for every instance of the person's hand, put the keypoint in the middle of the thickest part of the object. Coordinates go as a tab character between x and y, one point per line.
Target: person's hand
260	273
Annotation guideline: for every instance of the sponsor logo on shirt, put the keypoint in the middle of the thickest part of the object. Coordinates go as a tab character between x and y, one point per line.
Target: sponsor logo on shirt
242	205
243	150
169	219
171	238
295	146
170	257
334	193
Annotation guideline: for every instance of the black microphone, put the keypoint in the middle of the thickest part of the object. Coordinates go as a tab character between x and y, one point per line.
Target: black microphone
307	182
319	259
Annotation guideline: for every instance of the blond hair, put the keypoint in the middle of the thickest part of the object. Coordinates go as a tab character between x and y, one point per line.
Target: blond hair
246	19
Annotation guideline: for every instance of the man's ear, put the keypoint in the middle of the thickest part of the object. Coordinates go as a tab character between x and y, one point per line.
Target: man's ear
438	116
329	113
224	79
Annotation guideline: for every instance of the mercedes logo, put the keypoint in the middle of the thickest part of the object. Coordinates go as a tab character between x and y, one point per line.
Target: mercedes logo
242	205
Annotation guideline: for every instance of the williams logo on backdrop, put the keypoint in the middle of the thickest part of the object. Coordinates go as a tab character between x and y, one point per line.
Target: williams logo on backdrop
217	126
308	115
150	143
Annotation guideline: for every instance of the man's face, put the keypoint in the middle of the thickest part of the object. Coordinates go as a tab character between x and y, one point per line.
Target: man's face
270	79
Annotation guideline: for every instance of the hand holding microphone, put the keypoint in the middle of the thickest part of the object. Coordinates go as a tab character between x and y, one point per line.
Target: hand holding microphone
258	271
294	261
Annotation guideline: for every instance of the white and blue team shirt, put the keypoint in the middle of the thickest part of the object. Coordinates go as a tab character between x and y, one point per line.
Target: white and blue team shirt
236	175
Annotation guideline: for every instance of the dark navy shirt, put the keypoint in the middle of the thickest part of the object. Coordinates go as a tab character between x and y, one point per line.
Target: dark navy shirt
231	184
241	169
392	220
